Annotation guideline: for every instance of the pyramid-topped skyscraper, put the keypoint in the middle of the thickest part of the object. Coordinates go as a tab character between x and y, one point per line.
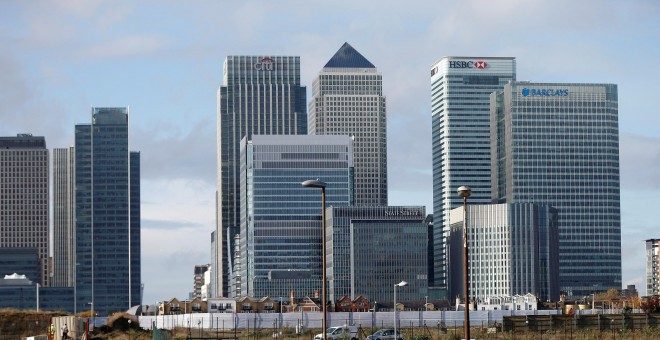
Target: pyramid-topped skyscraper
347	99
348	57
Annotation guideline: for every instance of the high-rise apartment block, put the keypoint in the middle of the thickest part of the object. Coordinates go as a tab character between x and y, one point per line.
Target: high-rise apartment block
558	144
260	95
24	190
653	267
107	177
280	237
347	99
64	217
198	279
460	102
513	250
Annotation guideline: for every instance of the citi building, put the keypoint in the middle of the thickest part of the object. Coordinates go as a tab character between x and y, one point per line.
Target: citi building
261	95
460	97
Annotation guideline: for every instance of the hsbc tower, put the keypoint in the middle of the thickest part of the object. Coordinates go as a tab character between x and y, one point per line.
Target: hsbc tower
460	108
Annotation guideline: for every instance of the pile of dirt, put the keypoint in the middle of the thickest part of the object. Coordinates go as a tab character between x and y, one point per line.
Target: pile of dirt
19	323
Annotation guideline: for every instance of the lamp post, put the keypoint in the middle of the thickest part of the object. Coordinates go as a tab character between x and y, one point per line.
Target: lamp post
400	284
465	192
91	312
318	184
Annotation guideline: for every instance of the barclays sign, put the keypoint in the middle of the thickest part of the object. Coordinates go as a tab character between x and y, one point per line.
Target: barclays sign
544	92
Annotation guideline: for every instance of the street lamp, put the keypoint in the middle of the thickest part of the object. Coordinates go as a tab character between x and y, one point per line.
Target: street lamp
311	183
91	312
465	192
400	284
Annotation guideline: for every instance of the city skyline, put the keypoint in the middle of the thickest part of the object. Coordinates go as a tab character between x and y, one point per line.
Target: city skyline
54	54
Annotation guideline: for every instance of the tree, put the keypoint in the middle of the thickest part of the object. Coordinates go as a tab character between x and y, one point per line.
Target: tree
651	304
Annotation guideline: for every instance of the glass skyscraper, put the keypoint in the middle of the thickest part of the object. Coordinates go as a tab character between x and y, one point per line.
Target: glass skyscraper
280	235
24	193
107	213
261	95
347	99
460	102
63	217
370	249
558	144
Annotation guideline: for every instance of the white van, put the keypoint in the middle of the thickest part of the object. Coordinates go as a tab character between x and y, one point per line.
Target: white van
340	333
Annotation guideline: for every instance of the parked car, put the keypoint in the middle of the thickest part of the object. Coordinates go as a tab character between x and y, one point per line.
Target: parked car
386	334
340	333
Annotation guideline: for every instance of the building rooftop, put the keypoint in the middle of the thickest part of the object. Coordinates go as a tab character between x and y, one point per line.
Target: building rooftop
348	57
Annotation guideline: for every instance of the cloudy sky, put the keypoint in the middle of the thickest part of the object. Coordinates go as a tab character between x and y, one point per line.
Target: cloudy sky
164	59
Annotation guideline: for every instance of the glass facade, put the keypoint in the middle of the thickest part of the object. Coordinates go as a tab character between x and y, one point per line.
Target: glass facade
558	143
261	95
24	190
280	234
63	217
460	102
22	261
513	250
347	99
107	213
370	249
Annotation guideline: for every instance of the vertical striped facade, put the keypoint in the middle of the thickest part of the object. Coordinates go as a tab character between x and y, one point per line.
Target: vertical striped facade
261	95
460	109
63	217
558	144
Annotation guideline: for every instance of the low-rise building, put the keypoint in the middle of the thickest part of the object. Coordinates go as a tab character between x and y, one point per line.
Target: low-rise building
516	302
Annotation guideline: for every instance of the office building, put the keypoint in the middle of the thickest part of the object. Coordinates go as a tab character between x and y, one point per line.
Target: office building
460	97
63	217
24	190
280	238
513	249
21	261
18	292
652	267
107	213
558	144
347	99
370	249
260	95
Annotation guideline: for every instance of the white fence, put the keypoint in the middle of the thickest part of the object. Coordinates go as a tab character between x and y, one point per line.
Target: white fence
432	319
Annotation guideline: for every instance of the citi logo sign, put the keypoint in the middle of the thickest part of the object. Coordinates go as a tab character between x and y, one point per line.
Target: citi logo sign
479	64
265	64
544	92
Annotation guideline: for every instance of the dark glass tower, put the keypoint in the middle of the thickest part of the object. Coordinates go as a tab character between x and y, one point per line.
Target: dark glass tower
262	95
558	143
107	214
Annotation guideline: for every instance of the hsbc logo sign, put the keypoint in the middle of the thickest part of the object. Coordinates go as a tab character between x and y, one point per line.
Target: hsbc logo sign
479	64
265	64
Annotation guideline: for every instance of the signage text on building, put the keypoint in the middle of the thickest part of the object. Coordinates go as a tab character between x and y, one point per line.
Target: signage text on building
544	92
265	64
479	64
